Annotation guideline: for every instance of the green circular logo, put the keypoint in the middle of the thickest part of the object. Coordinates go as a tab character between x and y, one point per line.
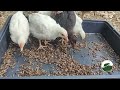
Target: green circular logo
107	66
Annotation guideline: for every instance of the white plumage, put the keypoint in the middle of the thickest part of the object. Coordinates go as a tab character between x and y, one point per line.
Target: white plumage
19	29
49	13
43	27
78	30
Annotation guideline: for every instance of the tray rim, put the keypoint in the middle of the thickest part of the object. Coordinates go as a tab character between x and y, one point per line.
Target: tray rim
3	29
67	77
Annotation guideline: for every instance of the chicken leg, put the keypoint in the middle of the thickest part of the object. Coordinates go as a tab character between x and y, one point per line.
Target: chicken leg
63	42
46	42
41	46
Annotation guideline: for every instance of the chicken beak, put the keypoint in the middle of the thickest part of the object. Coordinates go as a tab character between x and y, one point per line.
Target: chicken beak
21	47
66	39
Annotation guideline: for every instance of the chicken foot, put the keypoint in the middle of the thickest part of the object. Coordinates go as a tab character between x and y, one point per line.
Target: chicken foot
41	46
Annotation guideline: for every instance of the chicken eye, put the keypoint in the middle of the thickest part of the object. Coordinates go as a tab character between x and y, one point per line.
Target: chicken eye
62	34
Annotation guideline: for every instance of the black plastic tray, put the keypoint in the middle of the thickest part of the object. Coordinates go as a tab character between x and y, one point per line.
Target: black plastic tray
98	31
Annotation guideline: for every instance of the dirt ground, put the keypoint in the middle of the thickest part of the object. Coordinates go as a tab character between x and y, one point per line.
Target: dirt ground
113	17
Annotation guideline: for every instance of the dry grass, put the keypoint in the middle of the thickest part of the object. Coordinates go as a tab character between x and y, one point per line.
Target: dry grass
113	17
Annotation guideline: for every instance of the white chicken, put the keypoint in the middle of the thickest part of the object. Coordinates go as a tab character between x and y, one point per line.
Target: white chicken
78	30
49	13
19	29
43	27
